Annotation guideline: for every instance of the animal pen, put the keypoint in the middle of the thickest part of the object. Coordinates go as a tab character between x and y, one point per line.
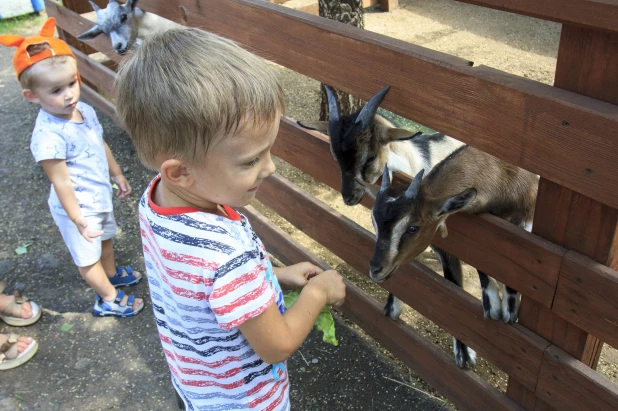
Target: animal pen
568	134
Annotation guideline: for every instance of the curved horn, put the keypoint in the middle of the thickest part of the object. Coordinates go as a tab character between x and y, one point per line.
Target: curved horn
365	117
386	180
415	185
94	5
334	119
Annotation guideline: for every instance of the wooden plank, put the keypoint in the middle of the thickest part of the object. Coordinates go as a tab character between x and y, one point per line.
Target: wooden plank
567	384
75	24
568	138
465	389
100	103
82	6
389	5
591	14
568	218
510	347
588	301
95	72
515	257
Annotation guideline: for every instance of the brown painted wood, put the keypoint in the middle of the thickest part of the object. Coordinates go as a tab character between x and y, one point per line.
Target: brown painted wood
95	72
74	24
572	219
568	385
83	6
591	14
389	5
510	347
522	260
100	103
537	127
588	301
465	389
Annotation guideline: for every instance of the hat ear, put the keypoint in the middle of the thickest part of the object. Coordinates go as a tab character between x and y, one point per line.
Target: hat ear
11	40
49	28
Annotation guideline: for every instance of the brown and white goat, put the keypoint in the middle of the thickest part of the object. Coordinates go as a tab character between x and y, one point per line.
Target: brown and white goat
468	181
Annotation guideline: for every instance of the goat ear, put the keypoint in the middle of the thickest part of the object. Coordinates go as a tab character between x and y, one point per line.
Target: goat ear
131	4
90	34
399	134
321	126
94	5
370	189
458	202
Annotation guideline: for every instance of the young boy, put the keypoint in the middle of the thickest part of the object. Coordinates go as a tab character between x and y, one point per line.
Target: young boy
205	114
68	143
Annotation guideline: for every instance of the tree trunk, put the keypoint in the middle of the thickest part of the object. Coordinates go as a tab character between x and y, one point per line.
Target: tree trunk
348	12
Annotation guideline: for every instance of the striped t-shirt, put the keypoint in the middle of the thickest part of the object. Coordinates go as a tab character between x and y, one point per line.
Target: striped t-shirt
207	275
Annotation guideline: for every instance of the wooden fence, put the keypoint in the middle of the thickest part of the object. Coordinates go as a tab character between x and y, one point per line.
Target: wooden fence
568	134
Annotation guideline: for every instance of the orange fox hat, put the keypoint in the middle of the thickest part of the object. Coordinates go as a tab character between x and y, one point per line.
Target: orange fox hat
22	59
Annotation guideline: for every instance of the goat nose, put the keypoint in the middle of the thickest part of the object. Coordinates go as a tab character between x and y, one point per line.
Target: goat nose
118	46
375	268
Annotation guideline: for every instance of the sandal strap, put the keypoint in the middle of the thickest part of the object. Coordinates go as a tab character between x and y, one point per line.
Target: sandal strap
19	297
14	308
7	345
119	296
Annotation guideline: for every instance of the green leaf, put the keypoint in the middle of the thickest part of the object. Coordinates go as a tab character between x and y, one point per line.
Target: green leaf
302	369
66	327
324	322
115	186
22	249
19	397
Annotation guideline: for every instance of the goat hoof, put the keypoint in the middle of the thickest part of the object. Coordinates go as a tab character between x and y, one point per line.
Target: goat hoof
464	355
510	308
393	307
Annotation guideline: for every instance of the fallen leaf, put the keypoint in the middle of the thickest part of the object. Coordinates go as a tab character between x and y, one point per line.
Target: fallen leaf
66	327
22	249
115	186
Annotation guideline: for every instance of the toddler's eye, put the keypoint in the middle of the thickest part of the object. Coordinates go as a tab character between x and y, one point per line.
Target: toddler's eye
252	162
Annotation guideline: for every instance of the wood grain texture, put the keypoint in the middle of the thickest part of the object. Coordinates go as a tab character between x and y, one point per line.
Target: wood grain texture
552	132
510	347
465	389
95	72
568	385
592	14
97	101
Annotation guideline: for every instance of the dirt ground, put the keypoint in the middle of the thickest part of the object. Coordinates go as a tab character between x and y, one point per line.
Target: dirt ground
117	363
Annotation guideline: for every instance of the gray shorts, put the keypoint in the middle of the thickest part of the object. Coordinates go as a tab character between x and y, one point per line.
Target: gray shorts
83	252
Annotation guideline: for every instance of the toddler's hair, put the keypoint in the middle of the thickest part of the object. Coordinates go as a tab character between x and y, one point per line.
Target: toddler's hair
185	88
28	78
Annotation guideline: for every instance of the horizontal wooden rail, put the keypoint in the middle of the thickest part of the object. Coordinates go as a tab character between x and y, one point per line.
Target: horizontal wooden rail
95	72
522	260
591	14
99	102
465	389
568	138
568	385
511	348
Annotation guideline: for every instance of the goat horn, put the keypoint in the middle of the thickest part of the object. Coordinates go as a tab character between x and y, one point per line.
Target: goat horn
334	120
365	117
94	5
386	179
415	185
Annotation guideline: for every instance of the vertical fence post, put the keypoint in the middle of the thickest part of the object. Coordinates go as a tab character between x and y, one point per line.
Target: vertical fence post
587	64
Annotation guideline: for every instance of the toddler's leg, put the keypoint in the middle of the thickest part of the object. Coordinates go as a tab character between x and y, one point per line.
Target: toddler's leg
97	279
109	262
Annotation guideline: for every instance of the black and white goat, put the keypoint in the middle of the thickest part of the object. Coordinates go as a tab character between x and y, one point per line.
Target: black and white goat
124	24
468	181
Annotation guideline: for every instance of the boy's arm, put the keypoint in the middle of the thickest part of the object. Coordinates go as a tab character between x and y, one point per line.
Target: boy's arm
275	337
58	174
115	172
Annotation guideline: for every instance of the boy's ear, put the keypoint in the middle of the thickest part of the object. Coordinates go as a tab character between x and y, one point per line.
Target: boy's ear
175	172
30	96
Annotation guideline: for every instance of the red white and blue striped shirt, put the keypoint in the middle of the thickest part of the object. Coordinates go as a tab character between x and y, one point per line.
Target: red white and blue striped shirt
207	275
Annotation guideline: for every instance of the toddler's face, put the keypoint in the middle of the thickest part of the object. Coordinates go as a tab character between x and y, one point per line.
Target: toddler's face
57	90
236	166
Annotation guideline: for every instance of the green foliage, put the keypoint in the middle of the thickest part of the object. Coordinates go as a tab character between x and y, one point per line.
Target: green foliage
16	24
325	321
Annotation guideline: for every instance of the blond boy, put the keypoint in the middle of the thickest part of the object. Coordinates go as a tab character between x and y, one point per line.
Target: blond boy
205	113
68	143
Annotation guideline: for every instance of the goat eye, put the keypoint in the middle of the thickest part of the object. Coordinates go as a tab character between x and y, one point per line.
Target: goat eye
123	18
371	159
412	229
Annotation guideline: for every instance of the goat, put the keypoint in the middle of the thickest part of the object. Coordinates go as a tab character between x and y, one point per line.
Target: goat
468	181
124	24
363	143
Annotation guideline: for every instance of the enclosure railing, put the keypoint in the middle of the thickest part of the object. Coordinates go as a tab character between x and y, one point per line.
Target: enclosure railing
568	134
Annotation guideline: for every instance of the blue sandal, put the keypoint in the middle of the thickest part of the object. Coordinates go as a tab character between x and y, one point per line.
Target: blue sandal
104	308
119	281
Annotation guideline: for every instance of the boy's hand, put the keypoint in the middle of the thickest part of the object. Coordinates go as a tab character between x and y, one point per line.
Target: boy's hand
331	284
82	227
124	188
296	276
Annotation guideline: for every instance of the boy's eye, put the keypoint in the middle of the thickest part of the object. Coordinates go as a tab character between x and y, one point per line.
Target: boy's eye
252	162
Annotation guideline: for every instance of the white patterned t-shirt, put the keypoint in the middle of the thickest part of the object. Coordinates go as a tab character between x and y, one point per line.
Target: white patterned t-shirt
81	146
207	275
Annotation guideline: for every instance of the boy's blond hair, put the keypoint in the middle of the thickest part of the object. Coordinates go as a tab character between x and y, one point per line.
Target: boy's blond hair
184	89
30	76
